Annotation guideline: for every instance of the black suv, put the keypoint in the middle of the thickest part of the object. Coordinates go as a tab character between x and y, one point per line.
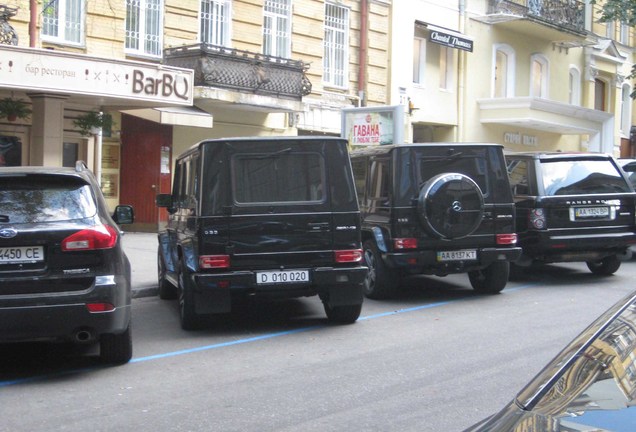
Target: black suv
63	273
572	207
437	209
264	216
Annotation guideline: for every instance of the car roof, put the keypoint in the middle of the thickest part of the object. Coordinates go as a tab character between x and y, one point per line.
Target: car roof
80	171
558	155
385	148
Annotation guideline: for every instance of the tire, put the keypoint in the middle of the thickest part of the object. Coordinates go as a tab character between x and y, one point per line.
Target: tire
450	206
605	267
188	317
347	314
167	291
492	279
116	348
381	282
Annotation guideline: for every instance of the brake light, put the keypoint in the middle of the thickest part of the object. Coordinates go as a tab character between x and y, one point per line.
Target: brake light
507	239
348	256
99	307
537	218
98	237
405	243
214	261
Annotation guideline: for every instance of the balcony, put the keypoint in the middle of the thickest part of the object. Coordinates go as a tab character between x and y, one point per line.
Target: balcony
562	15
8	35
242	71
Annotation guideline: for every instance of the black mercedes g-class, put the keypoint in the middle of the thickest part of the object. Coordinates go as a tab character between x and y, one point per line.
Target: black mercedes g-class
437	209
263	216
572	207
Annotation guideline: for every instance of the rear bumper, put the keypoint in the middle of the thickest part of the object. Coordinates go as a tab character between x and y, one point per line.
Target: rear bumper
426	261
561	246
64	316
338	286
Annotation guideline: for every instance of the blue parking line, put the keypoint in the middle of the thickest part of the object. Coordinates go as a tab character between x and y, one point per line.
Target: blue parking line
248	340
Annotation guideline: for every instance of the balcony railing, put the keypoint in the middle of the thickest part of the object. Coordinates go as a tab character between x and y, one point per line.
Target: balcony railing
564	14
243	71
8	35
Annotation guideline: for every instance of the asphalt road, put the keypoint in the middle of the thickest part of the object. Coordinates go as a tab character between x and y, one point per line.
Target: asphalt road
438	358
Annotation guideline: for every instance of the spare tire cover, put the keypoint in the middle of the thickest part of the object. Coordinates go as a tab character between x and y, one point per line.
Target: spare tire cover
450	205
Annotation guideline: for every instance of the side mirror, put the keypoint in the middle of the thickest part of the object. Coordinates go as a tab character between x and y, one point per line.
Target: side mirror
124	214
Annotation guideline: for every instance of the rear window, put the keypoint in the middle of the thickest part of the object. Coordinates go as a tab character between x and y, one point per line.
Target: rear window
32	199
279	177
472	163
578	176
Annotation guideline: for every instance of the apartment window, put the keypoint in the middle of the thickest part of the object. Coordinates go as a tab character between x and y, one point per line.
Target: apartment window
215	22
419	60
503	71
575	86
63	21
336	40
277	28
626	103
599	94
144	27
625	28
539	76
610	30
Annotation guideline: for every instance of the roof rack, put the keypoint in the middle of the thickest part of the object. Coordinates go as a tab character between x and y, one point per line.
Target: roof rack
80	166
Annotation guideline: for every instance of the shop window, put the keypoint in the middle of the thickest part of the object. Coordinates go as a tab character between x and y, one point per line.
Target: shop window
600	89
503	71
539	76
144	27
419	60
215	21
70	154
277	28
445	68
335	59
10	151
63	21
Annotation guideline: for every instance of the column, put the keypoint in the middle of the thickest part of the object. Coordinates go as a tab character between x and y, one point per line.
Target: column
47	130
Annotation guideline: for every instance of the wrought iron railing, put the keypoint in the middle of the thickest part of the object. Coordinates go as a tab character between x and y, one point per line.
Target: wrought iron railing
244	71
565	14
8	35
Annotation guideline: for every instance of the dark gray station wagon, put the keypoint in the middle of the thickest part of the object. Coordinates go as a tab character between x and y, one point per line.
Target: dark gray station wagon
265	216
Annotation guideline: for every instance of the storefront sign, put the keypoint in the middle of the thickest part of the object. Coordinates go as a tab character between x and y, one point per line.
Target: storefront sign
373	126
51	71
451	40
520	139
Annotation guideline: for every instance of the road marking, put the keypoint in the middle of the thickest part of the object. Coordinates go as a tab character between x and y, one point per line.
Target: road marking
245	340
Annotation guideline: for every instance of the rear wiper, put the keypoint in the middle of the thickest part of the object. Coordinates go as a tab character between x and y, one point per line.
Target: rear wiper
273	154
451	156
4	218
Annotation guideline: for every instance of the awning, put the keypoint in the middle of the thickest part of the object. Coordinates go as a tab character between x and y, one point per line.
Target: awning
176	116
447	37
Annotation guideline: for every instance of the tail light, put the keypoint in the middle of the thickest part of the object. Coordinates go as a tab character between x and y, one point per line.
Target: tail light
537	219
348	256
99	307
405	243
214	261
507	239
99	237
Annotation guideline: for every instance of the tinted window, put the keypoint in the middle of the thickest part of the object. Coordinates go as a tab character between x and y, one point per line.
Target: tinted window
32	199
578	176
278	177
473	165
518	173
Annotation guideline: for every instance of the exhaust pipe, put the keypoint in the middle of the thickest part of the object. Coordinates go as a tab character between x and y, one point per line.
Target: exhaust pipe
84	336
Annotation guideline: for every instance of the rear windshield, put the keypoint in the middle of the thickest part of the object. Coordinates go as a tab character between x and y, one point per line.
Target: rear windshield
579	176
32	199
279	177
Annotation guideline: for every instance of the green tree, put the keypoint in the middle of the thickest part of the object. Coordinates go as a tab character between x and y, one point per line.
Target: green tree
623	11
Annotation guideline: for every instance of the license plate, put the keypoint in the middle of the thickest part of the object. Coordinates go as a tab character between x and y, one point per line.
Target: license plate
591	212
459	255
282	276
23	254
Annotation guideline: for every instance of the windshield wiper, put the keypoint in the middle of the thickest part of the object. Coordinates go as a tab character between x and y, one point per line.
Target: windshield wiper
274	154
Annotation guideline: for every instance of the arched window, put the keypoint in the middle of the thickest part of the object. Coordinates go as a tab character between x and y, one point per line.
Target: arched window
575	86
539	76
626	115
503	74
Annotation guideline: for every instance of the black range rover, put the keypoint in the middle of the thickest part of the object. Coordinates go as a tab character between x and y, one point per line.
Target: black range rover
262	216
437	209
572	207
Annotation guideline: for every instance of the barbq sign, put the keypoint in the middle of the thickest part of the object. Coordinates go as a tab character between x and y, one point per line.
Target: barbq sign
44	70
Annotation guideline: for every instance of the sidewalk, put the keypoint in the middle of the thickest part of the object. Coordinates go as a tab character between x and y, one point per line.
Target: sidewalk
141	249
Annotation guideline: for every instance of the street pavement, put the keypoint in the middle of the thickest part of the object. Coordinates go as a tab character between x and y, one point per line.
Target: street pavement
141	248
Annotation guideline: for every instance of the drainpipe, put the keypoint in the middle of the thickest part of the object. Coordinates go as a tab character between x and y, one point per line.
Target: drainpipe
461	77
33	23
364	37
